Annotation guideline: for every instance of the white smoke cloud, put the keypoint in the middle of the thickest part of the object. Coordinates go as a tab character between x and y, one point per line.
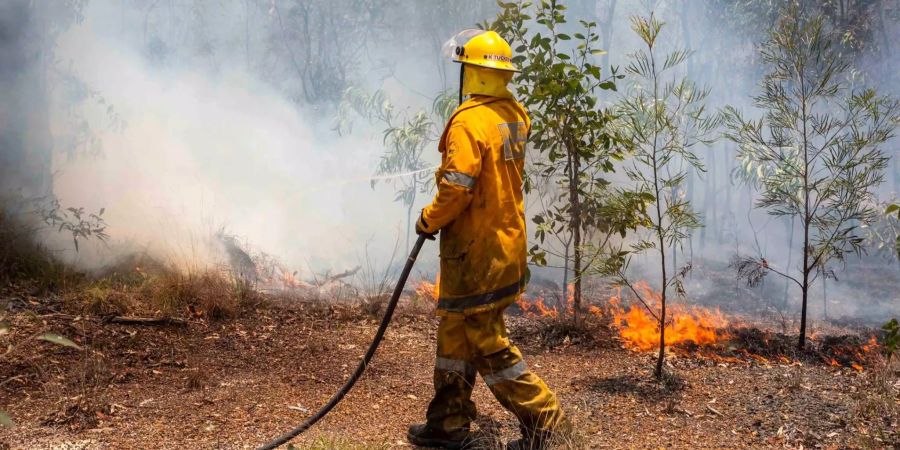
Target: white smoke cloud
206	150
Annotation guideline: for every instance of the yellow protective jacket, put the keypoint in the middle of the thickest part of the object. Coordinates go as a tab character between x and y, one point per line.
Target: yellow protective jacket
479	207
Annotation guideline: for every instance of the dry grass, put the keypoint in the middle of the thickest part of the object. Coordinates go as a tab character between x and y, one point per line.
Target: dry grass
197	379
104	300
488	437
561	331
134	284
213	295
879	405
21	257
81	390
331	443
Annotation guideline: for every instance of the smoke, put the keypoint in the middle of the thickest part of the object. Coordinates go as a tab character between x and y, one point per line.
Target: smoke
184	120
203	150
723	38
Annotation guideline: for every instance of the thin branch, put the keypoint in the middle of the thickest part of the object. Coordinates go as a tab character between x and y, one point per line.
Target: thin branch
640	299
769	268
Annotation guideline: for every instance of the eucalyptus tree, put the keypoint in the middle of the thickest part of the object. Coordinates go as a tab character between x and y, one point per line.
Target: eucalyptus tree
560	84
886	231
818	144
895	208
664	117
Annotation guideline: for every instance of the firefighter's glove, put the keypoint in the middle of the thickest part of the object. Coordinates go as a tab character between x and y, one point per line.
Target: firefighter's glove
420	229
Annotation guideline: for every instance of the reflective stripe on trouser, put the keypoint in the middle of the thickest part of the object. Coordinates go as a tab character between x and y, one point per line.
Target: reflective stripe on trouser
480	342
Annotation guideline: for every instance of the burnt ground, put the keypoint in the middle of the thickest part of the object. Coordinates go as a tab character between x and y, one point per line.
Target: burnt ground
236	383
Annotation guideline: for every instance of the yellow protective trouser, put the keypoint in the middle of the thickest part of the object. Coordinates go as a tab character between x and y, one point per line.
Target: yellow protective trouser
479	342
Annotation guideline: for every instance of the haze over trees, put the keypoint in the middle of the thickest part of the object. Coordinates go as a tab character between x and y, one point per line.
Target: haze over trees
182	163
818	150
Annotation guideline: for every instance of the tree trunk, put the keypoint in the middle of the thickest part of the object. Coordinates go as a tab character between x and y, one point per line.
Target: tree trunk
25	137
409	216
806	262
804	119
575	205
726	210
661	357
674	258
689	74
607	33
709	201
805	288
790	247
565	283
662	254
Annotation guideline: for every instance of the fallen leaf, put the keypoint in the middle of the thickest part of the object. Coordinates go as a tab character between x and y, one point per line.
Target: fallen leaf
58	340
300	408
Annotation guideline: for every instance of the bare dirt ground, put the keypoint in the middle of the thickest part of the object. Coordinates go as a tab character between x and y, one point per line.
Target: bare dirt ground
237	383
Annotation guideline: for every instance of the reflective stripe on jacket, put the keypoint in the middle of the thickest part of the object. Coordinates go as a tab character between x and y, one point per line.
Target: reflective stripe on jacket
479	206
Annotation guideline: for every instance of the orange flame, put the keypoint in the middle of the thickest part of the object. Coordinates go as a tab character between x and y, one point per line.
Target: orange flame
537	307
871	345
428	290
640	330
289	279
543	310
524	305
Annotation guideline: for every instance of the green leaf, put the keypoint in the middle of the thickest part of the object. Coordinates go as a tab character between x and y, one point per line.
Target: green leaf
891	339
598	52
891	326
892	209
608	86
58	340
5	420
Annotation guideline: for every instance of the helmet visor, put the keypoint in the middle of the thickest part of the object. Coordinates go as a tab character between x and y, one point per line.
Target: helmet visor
449	50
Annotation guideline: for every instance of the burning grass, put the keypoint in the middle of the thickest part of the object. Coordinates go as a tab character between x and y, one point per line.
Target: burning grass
708	333
842	351
639	327
691	330
537	306
429	291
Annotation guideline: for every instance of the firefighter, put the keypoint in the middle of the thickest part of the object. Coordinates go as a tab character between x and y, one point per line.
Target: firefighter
479	211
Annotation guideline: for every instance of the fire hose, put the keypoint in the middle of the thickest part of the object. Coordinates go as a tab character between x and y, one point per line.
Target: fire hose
379	335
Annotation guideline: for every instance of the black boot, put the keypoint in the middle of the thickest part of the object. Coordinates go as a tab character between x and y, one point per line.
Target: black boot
427	436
